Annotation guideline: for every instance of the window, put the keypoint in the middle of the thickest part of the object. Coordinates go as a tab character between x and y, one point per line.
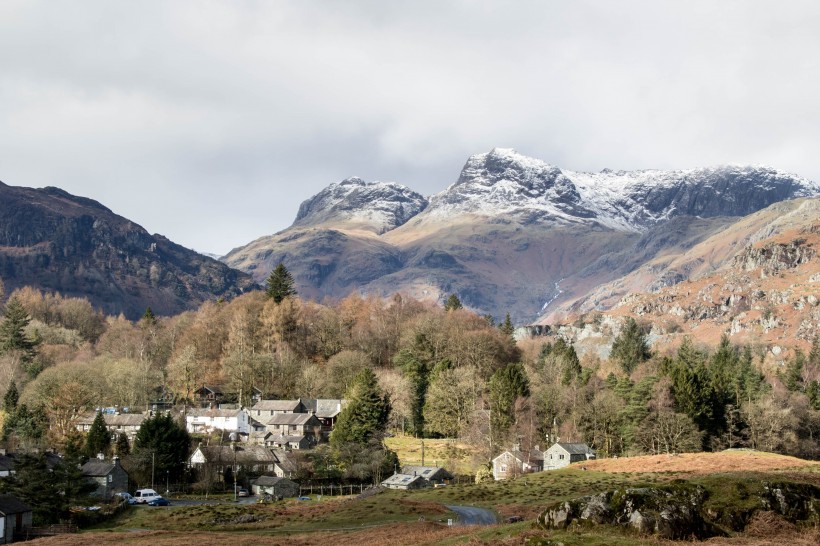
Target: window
503	468
561	457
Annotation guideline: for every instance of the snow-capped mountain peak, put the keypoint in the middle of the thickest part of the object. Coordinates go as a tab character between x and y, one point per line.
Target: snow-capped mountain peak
376	206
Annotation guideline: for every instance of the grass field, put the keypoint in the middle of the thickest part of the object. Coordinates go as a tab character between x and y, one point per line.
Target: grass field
405	517
450	454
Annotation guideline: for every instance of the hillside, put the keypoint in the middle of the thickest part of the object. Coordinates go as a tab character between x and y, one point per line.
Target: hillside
54	241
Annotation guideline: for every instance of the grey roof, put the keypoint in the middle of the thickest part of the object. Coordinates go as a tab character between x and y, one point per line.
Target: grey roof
10	504
267	481
427	471
114	419
283	460
244	454
96	468
575	448
290	419
277	405
402	479
285	439
324	407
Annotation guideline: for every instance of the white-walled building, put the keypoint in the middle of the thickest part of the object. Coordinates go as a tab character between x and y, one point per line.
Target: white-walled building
206	421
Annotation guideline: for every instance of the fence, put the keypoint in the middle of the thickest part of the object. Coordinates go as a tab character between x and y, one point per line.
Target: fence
332	490
30	533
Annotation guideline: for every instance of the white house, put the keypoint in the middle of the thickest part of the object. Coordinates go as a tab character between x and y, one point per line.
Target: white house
205	421
561	454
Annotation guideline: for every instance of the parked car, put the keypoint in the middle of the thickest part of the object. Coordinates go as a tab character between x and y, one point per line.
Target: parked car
304	498
128	497
242	492
160	502
144	496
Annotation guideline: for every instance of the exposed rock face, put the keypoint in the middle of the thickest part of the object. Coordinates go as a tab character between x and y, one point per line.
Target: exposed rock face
55	241
380	206
679	512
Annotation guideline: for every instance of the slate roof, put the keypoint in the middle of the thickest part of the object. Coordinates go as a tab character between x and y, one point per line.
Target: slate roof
324	408
290	419
402	479
277	405
284	461
268	481
96	468
575	448
10	504
428	472
244	454
115	419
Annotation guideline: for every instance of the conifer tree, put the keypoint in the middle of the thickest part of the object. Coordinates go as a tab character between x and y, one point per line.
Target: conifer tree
11	398
453	303
630	348
506	385
507	326
98	439
13	335
366	413
122	447
280	284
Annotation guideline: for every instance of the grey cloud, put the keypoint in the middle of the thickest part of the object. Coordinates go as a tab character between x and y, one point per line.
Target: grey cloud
210	122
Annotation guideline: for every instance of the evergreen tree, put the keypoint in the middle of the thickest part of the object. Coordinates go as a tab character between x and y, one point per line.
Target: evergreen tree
148	318
280	284
453	303
123	448
507	326
506	386
13	337
98	439
366	413
793	375
630	348
163	444
417	372
11	398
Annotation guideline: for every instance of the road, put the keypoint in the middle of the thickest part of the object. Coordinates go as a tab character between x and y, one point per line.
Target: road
470	515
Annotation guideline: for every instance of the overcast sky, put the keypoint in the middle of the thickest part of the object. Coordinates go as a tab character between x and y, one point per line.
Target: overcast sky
210	122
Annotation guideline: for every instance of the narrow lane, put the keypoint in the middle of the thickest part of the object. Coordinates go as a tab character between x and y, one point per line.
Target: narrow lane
471	515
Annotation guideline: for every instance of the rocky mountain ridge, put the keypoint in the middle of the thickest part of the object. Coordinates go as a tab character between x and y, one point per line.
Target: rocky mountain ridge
511	234
55	241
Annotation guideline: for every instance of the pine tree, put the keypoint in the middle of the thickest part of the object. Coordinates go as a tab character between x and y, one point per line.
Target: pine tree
453	303
165	441
630	348
98	439
366	413
417	372
11	398
13	333
507	326
122	447
280	284
506	385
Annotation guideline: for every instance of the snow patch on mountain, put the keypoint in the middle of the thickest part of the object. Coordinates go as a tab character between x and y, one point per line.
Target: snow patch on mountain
503	182
381	206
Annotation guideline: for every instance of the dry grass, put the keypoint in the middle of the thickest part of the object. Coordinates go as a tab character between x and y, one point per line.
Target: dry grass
704	463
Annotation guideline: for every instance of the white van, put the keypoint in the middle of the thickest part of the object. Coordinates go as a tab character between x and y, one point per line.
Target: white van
144	496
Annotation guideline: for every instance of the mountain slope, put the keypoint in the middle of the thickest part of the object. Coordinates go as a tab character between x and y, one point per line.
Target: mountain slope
55	241
512	233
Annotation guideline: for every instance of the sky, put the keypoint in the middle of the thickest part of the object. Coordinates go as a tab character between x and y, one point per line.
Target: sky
209	122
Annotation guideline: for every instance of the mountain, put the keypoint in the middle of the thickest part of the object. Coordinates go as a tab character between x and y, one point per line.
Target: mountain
55	241
756	281
512	234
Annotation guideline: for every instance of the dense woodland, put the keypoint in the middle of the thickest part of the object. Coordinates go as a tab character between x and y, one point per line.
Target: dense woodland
432	371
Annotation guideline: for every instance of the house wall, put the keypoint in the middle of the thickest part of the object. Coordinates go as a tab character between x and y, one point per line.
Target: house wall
283	488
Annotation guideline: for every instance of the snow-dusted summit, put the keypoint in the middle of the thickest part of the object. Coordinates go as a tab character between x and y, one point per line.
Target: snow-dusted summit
378	206
506	183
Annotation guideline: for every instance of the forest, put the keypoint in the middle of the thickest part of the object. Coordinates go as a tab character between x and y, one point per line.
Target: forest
445	371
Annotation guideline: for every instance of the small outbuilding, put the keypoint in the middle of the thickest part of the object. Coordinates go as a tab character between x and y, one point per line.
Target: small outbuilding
433	474
405	481
15	518
515	462
275	486
109	476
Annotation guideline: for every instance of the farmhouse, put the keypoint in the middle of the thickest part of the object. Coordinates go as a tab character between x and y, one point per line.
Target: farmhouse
116	423
109	476
515	462
205	420
562	454
294	430
213	460
265	409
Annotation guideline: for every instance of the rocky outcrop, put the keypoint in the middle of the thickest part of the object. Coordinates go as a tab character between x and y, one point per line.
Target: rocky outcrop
54	241
772	258
680	510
